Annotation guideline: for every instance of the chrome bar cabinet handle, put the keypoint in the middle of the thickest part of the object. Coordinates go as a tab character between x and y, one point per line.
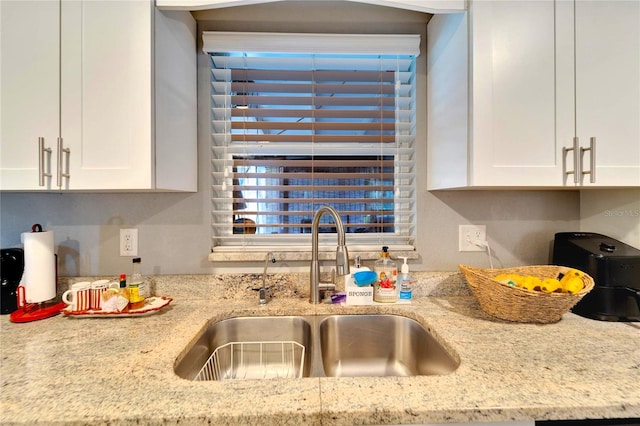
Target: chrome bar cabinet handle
62	150
41	161
576	161
592	160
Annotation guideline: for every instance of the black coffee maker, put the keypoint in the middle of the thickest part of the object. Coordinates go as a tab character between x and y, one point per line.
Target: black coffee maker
11	270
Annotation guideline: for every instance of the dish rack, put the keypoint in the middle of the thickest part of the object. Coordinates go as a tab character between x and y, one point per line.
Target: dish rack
254	360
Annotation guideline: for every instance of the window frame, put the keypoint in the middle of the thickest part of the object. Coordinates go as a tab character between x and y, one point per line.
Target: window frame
321	43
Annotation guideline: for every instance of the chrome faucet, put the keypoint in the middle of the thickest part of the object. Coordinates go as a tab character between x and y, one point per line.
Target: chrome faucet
263	291
342	255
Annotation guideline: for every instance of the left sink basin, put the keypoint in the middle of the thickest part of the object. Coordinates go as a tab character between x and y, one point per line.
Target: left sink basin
249	348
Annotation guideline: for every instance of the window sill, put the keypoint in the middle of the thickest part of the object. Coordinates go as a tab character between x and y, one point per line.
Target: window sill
303	253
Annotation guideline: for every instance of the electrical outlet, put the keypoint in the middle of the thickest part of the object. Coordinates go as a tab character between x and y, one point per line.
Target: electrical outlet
467	234
129	242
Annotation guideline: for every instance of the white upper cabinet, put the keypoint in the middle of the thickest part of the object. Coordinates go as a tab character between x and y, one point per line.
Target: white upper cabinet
502	107
106	108
512	107
29	94
604	104
124	122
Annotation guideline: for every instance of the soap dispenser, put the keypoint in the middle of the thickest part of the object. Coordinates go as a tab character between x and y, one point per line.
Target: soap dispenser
404	281
385	288
357	267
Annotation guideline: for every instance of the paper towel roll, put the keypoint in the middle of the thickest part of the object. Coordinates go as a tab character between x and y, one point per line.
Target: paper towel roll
39	277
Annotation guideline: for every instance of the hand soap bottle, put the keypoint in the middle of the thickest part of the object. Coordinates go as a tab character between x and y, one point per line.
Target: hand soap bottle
405	282
385	288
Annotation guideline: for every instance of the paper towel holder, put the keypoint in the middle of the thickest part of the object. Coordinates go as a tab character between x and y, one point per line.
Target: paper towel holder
28	312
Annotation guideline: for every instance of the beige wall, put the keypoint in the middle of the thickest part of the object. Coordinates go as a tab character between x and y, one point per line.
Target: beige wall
174	228
613	212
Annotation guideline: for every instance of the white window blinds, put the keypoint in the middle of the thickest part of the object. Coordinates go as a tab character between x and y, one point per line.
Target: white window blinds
323	120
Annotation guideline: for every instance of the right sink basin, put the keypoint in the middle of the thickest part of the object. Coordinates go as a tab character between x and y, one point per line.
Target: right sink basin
380	345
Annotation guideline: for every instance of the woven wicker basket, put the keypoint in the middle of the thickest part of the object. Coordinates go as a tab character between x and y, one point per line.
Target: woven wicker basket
518	304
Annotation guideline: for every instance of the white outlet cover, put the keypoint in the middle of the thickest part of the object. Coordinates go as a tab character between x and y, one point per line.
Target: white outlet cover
469	233
129	242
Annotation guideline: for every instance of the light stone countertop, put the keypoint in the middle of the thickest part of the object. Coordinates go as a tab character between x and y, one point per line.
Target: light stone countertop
66	370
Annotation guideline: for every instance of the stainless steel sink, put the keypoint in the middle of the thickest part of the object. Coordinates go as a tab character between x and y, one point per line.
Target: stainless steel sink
381	345
314	346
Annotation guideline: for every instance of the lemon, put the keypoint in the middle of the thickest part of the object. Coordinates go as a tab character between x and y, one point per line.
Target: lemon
531	283
571	273
572	285
503	277
549	285
509	279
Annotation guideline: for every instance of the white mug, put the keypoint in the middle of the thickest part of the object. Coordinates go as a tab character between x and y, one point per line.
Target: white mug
78	296
97	289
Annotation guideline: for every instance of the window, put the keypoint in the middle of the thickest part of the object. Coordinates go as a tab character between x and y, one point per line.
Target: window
324	120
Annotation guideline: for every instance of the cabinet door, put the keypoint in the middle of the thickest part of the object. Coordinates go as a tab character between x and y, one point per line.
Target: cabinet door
29	92
107	94
607	53
514	141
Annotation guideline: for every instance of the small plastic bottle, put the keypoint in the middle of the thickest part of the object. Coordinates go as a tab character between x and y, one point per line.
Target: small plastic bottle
122	304
385	288
116	299
404	281
137	288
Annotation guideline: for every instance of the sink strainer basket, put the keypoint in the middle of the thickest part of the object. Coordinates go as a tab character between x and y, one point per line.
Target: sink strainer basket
518	304
254	360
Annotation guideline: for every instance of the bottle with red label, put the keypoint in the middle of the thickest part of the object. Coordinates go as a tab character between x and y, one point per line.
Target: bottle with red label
385	289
